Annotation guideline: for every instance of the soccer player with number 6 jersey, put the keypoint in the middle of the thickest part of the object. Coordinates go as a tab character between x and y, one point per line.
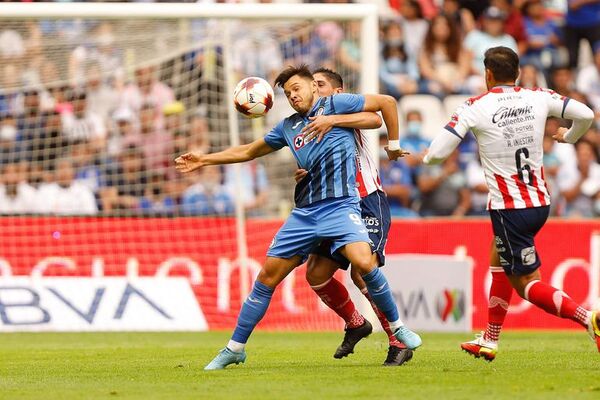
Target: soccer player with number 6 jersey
508	122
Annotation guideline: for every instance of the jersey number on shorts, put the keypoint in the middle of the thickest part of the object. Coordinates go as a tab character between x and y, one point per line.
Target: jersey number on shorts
523	152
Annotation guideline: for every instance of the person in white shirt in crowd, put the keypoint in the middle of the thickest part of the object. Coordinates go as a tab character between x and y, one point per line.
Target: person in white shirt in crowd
588	80
65	196
124	132
82	123
580	189
102	97
16	195
414	27
147	89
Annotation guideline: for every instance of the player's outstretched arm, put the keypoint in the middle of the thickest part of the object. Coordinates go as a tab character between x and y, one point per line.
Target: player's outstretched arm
582	117
194	160
322	124
442	146
389	111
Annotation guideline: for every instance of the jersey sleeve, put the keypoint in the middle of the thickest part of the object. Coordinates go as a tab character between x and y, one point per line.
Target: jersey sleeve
276	137
346	103
556	103
461	121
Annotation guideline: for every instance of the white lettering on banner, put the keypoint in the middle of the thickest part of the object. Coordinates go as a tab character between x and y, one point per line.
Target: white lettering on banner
224	270
432	292
5	269
99	304
192	266
65	262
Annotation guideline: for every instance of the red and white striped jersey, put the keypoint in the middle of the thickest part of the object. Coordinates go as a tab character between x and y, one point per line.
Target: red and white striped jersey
367	176
509	122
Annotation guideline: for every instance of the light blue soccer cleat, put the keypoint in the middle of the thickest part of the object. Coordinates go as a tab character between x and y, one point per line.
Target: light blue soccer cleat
408	337
224	358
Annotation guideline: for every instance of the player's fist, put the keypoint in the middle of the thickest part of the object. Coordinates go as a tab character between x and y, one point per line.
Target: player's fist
559	136
300	174
393	155
189	162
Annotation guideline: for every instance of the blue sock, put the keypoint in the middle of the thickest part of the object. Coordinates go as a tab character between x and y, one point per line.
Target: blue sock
252	311
380	292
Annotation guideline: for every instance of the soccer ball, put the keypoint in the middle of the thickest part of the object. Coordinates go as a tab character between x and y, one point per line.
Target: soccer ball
253	97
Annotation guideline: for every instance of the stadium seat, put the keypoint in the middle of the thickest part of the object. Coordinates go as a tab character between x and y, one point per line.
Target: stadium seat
431	109
452	102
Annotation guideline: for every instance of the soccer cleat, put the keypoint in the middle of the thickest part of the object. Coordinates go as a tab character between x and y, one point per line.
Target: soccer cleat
353	336
397	356
479	347
594	328
408	337
224	358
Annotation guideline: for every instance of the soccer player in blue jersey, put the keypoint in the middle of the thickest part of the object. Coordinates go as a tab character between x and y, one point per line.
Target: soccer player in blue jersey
326	200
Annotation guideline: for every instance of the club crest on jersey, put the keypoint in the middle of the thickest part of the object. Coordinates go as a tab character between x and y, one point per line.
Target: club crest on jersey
298	141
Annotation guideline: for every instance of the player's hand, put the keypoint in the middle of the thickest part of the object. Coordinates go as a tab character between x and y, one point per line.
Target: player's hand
318	127
393	155
189	162
300	174
559	136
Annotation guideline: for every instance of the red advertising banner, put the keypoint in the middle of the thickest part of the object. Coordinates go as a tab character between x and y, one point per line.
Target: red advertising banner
205	251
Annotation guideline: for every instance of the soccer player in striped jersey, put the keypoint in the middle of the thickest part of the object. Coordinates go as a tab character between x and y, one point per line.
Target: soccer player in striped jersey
326	200
508	122
375	213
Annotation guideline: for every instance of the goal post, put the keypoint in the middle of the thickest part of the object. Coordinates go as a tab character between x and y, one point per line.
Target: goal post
194	49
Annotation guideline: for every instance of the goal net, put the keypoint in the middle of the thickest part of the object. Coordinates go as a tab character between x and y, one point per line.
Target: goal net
96	100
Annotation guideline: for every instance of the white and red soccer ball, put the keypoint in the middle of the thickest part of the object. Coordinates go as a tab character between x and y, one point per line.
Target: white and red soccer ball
253	97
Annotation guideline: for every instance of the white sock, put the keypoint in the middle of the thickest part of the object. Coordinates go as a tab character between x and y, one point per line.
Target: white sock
394	325
235	346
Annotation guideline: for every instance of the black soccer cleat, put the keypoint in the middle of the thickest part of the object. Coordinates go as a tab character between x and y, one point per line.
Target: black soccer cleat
397	356
353	336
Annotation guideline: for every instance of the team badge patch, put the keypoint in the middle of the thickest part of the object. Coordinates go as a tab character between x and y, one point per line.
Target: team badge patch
528	255
298	141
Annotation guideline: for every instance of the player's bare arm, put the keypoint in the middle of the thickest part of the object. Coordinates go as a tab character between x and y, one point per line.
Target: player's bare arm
389	111
322	124
192	161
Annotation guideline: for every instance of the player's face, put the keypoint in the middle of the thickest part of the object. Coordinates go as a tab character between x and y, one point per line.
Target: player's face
324	86
300	93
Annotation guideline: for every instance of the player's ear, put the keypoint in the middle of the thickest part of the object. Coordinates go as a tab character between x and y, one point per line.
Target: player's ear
315	86
338	90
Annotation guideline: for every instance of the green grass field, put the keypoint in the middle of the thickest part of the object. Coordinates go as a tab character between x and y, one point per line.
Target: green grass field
291	366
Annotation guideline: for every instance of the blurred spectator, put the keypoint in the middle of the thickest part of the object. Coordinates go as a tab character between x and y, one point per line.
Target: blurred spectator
82	123
551	164
478	41
562	81
398	72
8	137
100	51
256	53
102	98
414	27
349	52
87	170
398	185
147	89
462	18
413	140
174	117
155	142
478	187
443	64
16	195
543	37
156	200
124	132
208	196
444	190
254	189
198	134
581	189
12	46
514	24
65	196
126	185
530	77
588	79
306	47
582	22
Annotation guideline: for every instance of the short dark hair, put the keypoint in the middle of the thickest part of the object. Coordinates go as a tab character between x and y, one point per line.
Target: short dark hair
503	63
333	77
302	71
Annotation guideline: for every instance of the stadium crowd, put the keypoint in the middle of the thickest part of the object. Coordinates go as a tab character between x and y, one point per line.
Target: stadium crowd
84	133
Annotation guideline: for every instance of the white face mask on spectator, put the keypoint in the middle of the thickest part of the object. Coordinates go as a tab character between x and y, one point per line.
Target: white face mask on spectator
8	132
413	128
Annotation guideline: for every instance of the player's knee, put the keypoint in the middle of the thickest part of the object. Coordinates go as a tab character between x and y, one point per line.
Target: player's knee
363	265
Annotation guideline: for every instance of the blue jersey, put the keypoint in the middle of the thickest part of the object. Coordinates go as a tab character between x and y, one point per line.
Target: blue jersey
331	164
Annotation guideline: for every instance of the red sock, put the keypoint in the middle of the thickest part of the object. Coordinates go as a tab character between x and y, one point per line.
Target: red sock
336	297
555	302
500	294
384	322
